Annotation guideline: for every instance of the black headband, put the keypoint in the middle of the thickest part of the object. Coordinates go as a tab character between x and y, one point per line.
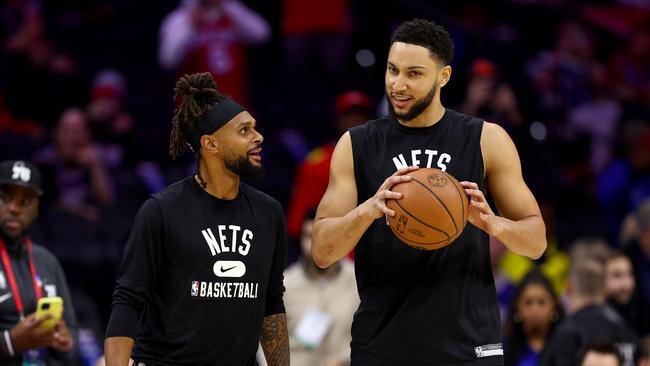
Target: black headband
212	120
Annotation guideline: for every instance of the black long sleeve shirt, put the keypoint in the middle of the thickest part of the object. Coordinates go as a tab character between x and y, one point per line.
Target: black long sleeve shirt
198	276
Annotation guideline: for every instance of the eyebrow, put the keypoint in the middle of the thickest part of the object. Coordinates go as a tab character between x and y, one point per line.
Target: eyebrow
408	68
244	123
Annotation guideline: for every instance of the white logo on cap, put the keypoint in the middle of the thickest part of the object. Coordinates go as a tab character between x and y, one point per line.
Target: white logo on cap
20	171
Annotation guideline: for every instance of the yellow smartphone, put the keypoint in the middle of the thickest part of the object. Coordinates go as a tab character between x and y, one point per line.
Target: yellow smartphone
52	306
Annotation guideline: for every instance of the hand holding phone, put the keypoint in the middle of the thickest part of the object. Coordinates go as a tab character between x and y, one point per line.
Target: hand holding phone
52	306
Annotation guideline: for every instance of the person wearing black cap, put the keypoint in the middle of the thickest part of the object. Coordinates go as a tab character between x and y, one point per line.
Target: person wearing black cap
201	280
28	273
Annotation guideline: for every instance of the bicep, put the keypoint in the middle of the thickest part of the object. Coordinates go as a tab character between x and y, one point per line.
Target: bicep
341	194
504	179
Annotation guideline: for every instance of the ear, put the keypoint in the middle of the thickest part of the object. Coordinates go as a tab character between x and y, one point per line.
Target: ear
444	75
209	144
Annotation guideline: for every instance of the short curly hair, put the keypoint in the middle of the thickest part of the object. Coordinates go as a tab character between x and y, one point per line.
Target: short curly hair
428	34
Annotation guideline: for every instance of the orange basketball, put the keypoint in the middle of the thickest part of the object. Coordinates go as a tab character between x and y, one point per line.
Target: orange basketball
432	212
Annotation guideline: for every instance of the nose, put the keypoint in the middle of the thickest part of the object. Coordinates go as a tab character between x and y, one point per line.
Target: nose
398	83
14	206
258	138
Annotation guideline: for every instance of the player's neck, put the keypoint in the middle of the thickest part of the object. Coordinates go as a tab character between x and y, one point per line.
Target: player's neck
537	341
221	182
429	117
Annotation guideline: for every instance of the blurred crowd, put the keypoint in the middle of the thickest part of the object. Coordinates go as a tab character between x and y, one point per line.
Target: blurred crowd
86	94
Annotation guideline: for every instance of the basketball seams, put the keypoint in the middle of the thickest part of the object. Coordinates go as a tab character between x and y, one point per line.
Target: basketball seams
462	202
449	237
441	203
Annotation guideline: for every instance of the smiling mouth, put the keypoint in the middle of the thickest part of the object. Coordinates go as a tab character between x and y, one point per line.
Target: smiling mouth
400	101
255	154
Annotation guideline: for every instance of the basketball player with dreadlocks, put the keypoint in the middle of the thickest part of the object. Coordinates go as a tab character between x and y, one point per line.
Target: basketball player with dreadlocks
201	280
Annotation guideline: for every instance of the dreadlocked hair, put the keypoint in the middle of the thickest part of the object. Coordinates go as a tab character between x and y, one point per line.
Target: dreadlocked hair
199	92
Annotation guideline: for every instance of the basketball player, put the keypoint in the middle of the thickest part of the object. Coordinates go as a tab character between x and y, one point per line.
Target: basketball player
201	279
424	307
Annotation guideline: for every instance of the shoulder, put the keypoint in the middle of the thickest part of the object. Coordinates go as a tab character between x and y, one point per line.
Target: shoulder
497	146
492	132
47	264
613	317
150	207
465	120
261	198
43	254
174	192
150	214
565	333
492	135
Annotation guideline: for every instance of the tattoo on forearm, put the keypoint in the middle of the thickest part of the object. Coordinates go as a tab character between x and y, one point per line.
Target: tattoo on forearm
275	341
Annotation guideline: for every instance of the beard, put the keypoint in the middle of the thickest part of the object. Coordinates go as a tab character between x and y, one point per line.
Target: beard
418	107
243	167
9	238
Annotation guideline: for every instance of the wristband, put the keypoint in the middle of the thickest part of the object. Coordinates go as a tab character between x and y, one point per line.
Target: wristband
10	346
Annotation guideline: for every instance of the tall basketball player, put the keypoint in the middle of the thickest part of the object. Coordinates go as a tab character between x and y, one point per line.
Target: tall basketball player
424	307
201	280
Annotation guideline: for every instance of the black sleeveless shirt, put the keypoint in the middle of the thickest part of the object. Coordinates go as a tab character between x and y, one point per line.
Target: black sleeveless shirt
422	307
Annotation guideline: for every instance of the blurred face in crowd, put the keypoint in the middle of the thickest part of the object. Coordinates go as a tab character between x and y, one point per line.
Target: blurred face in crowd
18	209
619	280
536	307
104	109
240	146
593	358
71	134
412	80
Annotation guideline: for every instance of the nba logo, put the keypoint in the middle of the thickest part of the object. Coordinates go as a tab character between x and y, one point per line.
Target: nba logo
195	288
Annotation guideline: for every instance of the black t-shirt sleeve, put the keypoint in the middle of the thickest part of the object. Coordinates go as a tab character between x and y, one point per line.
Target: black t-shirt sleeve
138	272
274	302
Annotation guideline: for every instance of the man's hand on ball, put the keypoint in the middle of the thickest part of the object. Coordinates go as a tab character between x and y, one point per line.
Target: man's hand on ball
376	205
480	213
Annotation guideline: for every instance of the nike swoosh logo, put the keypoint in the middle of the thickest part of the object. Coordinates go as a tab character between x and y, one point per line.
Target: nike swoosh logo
5	297
229	269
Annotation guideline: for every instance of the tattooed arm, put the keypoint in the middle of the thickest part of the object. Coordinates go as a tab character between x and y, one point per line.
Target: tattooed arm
275	340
